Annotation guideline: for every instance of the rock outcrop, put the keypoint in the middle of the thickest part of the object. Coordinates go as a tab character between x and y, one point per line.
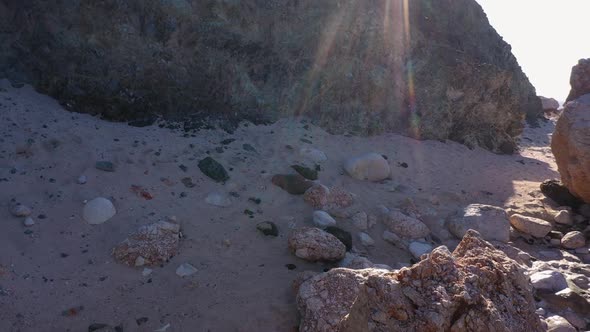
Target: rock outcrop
571	146
472	289
579	80
439	72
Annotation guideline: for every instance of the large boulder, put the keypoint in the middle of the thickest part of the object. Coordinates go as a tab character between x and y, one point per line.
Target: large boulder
490	221
430	69
472	289
549	104
571	146
579	80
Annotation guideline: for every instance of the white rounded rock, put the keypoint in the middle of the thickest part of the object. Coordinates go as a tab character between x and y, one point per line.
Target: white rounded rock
548	280
314	155
185	270
82	179
366	239
29	222
98	211
371	166
573	240
420	248
564	217
323	219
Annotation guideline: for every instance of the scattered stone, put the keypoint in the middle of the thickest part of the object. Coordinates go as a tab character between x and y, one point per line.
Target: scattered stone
185	270
105	166
394	239
29	222
529	225
558	324
559	193
490	221
489	288
188	182
213	169
360	220
98	211
548	280
306	172
563	217
146	272
156	243
573	240
322	219
20	210
228	141
82	179
366	239
139	261
404	225
294	184
268	228
540	312
370	166
218	199
419	248
313	244
313	155
317	196
342	235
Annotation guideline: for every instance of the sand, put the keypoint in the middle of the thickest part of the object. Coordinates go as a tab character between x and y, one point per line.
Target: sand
242	283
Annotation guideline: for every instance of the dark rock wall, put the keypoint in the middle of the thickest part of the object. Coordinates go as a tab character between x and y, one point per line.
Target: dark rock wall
435	70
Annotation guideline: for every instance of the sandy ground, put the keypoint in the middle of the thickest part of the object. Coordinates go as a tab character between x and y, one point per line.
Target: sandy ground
242	283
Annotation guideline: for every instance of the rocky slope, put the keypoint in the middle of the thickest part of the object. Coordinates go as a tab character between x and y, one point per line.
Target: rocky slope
441	72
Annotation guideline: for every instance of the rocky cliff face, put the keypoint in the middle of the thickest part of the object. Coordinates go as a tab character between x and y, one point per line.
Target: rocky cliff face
433	70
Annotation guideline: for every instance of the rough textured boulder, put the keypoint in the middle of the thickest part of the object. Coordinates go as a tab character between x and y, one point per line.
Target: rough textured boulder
571	146
580	80
314	244
549	104
472	289
403	225
441	72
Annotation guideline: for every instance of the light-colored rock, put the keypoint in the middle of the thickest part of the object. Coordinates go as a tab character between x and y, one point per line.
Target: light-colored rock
20	210
490	221
419	248
366	239
549	104
370	166
404	225
548	280
29	222
564	217
82	179
98	211
313	155
529	225
360	220
156	243
146	272
322	219
139	261
394	239
185	270
571	146
314	244
540	312
558	324
573	240
218	199
380	300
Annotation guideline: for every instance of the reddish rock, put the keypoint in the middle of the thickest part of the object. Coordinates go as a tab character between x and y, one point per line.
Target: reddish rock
151	245
580	80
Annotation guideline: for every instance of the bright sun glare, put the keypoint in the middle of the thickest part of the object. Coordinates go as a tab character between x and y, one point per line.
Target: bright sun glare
548	38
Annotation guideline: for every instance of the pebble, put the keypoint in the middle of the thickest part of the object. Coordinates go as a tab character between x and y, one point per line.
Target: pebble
314	155
213	169
393	239
366	239
98	211
82	179
146	272
185	270
548	280
268	228
139	261
322	219
218	199
105	166
419	248
371	166
540	312
20	210
563	217
530	225
29	222
573	240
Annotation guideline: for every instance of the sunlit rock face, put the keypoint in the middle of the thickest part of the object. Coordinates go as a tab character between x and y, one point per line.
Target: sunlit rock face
429	69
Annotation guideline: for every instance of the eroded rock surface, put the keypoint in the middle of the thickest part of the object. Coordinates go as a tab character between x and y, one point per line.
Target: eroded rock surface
471	289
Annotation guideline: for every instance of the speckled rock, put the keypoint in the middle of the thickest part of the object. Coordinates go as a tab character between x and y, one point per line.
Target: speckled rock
404	225
573	240
471	289
156	243
313	244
